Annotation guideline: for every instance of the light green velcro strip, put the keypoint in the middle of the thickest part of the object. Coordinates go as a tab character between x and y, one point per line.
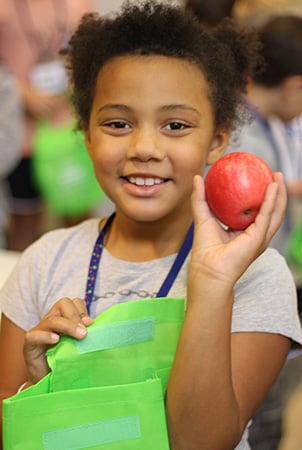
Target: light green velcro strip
94	433
117	334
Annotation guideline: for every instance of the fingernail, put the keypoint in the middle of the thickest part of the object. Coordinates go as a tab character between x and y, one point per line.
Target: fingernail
55	337
81	331
87	320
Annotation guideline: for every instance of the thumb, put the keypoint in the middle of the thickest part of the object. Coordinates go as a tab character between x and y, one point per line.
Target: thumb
199	204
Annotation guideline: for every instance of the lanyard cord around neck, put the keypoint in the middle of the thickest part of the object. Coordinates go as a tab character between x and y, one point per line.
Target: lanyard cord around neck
97	253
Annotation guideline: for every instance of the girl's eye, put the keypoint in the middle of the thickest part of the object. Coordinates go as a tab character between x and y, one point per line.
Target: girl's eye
176	126
117	124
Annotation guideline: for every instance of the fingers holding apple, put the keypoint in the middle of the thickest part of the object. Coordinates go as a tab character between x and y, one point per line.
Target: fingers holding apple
226	254
273	207
235	188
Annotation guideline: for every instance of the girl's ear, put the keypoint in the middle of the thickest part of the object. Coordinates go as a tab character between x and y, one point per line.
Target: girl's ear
218	146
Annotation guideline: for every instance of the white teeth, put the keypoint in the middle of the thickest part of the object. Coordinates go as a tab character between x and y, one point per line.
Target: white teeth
144	181
139	181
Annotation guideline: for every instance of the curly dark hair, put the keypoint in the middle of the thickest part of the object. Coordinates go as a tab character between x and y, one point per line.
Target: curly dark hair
225	55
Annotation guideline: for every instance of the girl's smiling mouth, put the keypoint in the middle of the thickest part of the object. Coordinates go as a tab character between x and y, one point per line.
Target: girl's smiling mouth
144	185
144	181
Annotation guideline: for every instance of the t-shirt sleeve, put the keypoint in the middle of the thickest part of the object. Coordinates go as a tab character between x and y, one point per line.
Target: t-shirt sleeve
55	266
266	299
19	293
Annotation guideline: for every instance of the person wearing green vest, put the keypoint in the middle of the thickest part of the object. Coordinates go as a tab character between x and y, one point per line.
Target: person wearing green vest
157	95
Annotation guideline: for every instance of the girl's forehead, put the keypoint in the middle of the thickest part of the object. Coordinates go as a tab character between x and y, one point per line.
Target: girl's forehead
153	68
152	83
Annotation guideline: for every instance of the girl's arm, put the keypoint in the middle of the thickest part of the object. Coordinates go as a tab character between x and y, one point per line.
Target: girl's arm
218	379
12	365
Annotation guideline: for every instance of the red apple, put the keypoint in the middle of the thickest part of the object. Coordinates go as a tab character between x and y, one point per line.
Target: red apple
235	186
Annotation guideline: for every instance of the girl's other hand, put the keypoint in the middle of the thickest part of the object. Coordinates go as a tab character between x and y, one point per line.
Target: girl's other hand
67	316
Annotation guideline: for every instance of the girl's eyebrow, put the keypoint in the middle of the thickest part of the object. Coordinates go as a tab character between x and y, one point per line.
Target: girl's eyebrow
163	108
181	106
114	106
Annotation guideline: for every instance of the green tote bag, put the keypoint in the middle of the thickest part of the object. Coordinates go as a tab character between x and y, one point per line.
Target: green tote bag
63	170
106	391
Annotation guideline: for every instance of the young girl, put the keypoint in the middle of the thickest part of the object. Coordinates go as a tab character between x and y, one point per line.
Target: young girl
156	96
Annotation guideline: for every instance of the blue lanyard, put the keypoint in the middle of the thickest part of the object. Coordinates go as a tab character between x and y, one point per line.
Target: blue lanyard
97	253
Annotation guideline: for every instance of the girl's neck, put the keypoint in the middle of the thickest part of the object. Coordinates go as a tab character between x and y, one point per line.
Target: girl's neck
143	241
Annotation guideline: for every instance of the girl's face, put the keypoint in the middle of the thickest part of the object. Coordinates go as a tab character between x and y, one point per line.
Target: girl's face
151	130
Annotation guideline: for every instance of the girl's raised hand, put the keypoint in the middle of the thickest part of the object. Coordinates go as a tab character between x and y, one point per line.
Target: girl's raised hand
67	316
226	254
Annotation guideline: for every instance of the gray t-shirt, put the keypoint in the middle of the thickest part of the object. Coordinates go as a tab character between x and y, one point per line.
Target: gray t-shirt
56	266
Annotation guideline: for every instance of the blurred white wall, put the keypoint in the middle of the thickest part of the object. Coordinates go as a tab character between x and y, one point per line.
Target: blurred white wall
106	6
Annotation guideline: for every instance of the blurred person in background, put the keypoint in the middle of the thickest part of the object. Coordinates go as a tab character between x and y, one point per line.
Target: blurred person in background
31	34
256	12
274	100
11	127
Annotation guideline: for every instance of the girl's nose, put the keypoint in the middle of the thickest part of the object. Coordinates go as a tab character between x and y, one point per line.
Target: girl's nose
145	145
